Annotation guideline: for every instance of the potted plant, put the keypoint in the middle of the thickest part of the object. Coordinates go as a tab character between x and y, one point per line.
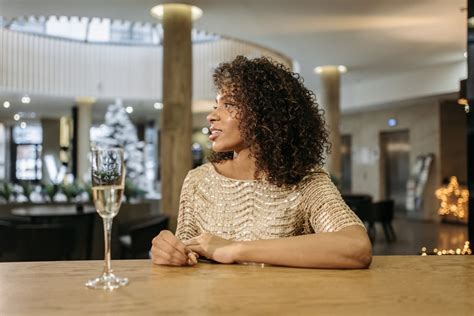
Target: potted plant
6	191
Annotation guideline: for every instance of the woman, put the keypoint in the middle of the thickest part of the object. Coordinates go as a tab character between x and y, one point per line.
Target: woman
263	196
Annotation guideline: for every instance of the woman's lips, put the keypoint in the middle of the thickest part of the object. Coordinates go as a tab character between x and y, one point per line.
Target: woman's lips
214	134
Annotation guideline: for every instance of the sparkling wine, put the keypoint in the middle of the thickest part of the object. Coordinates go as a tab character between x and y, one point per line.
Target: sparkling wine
108	179
107	199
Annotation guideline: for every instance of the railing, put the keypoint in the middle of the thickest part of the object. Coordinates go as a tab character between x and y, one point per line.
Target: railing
57	67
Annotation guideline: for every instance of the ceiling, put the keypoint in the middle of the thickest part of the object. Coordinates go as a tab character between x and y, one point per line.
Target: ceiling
375	39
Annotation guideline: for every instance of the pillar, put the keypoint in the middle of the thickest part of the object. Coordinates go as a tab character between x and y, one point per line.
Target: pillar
330	99
176	128
84	123
50	148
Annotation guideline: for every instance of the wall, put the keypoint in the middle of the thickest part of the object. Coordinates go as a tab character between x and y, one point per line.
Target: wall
422	119
453	141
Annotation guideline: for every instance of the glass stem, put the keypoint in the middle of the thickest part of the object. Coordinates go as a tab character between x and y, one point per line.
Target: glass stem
107	241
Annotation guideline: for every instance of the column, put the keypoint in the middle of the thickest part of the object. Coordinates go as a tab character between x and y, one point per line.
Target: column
51	148
84	123
176	128
330	99
470	117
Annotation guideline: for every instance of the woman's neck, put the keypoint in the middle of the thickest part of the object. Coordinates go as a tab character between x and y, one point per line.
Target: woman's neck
241	167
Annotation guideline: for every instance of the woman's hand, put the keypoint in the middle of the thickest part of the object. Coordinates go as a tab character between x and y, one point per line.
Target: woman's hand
213	247
168	250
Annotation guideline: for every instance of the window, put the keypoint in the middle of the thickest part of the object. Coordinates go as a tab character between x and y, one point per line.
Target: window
98	30
3	151
27	142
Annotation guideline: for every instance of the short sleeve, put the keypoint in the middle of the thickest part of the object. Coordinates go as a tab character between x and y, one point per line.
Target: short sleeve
325	209
186	227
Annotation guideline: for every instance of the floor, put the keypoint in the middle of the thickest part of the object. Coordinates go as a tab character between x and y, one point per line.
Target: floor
413	234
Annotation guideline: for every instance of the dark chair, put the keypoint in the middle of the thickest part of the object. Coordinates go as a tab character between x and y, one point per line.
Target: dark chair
383	212
81	225
7	240
361	204
43	242
136	242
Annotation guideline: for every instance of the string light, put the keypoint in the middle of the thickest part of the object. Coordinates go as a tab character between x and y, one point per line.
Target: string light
450	252
453	199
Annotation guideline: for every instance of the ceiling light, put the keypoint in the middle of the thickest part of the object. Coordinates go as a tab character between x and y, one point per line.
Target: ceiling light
158	105
6	104
23	124
342	69
205	130
16	117
318	70
129	109
331	68
158	11
26	99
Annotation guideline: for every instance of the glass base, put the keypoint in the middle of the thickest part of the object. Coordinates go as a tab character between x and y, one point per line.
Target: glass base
106	282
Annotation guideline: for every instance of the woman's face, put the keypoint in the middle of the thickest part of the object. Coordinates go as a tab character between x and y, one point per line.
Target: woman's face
224	131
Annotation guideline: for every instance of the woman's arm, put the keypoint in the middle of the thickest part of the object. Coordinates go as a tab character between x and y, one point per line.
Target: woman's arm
348	248
168	249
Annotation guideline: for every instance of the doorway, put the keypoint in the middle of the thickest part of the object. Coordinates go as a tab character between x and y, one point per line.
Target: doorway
395	166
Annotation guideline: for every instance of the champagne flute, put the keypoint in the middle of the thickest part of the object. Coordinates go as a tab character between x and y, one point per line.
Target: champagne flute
108	178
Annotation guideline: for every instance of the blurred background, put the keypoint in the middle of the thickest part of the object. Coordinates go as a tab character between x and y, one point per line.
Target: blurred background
391	76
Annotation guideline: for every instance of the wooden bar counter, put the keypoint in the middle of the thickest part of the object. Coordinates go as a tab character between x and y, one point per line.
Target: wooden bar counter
433	285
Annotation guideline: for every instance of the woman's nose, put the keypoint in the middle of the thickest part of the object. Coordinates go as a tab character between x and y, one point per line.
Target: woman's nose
211	117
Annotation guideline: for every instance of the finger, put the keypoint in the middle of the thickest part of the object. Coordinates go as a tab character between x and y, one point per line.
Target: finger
197	249
164	250
166	238
191	241
171	258
192	257
191	262
174	242
161	261
165	247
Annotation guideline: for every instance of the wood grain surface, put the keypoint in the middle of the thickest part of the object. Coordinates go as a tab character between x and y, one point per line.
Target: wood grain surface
393	285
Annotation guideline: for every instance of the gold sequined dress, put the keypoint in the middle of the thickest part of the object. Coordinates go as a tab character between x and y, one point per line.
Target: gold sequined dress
255	209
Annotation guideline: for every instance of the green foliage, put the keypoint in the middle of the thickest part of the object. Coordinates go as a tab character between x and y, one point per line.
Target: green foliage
6	190
50	190
71	190
27	189
88	190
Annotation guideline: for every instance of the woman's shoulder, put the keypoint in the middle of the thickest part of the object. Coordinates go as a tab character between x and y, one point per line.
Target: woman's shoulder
318	186
200	171
317	178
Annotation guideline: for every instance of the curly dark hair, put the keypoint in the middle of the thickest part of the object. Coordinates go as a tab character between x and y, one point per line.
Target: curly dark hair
280	120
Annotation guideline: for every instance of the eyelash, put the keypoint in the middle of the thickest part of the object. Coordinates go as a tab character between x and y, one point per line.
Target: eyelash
227	106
